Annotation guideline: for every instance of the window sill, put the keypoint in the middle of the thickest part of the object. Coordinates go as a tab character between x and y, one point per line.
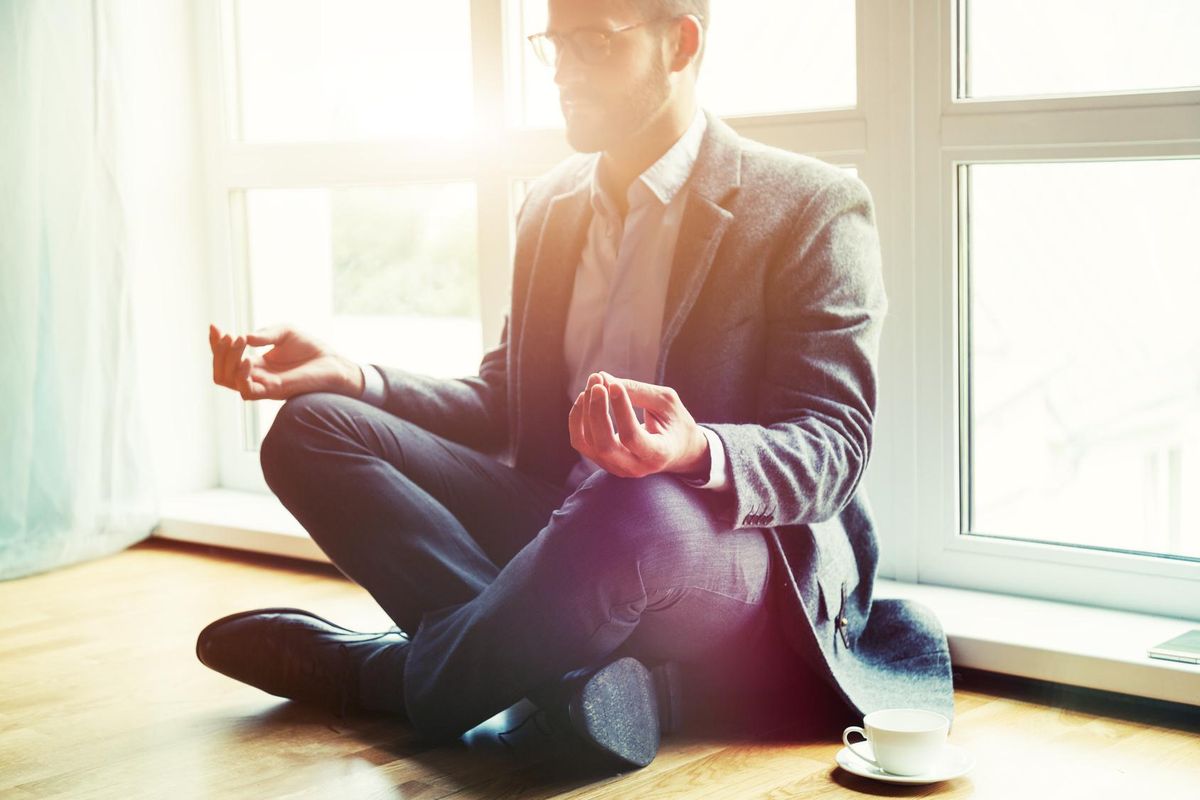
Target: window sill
240	520
1093	648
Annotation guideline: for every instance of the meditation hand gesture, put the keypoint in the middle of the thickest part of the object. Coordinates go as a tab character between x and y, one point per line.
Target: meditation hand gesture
297	364
668	441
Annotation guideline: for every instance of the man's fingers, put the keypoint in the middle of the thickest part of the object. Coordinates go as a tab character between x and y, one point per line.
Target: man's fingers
214	340
629	429
253	390
239	347
230	360
595	406
648	395
218	343
243	378
611	453
264	336
575	425
219	361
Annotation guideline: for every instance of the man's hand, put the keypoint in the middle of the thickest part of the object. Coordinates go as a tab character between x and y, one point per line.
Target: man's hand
297	364
668	441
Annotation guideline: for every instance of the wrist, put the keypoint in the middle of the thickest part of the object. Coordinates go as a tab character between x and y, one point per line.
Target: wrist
698	464
353	383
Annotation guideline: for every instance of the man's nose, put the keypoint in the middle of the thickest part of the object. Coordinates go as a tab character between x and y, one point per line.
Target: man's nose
568	69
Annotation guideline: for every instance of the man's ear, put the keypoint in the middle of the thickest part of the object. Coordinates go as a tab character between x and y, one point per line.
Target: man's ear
689	37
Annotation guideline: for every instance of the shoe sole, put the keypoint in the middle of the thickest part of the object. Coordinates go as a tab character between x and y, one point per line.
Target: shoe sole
617	712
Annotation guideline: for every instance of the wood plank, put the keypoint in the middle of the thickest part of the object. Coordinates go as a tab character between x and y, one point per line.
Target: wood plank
103	697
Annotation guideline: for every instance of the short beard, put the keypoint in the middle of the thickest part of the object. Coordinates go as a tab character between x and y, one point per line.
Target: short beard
645	99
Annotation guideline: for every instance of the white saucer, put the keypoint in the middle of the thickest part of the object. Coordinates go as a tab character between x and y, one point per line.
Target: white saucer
953	762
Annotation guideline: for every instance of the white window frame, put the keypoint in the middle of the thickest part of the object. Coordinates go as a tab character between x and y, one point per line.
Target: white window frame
950	132
906	136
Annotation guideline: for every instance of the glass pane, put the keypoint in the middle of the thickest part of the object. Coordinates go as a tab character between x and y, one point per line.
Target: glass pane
313	70
1085	354
383	275
768	56
533	97
1047	47
763	56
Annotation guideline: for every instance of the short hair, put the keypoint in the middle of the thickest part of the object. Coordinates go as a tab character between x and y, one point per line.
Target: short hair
652	9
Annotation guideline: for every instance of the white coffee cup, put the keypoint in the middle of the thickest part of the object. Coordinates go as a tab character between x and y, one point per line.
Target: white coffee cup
906	741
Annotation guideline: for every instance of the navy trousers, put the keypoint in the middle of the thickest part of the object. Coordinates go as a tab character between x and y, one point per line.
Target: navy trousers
507	583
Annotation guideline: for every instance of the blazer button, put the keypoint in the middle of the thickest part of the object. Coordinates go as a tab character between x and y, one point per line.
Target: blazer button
843	622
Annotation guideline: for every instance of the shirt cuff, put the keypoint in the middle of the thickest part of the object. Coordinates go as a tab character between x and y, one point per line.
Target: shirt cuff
718	479
373	388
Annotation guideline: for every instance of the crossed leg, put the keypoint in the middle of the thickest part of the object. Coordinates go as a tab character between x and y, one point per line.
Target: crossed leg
505	582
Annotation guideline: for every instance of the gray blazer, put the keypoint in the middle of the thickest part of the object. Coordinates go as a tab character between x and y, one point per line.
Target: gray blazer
770	336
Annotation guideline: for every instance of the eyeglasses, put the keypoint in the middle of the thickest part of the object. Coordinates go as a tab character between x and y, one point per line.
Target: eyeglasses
590	45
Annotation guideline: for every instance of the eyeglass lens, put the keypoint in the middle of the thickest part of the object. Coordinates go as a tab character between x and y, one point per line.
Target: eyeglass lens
589	46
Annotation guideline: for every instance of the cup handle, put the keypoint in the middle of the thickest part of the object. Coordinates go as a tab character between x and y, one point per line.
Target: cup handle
846	741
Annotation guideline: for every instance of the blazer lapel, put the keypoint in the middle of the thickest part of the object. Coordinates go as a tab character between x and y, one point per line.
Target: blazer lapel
541	375
716	175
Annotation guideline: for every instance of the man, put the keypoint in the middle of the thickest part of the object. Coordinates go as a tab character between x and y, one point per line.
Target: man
657	471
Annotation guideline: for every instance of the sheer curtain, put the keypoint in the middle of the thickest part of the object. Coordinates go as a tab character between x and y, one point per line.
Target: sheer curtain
76	481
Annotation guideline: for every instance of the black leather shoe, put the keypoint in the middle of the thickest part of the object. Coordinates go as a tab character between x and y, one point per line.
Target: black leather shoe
292	653
607	719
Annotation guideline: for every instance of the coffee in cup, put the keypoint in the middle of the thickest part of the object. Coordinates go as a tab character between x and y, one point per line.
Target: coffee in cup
905	741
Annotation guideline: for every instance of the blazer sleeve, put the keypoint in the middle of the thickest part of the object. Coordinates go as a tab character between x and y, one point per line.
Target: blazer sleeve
472	410
825	302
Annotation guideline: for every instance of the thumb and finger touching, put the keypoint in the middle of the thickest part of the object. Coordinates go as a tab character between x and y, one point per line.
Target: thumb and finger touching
633	435
262	336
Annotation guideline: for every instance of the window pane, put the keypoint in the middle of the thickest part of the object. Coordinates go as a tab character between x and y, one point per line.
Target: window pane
388	276
779	55
1039	47
533	97
763	56
1085	353
312	70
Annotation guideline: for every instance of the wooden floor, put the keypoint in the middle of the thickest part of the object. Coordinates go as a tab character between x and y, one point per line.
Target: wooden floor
102	696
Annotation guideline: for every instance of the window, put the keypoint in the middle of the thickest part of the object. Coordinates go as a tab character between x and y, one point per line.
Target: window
769	57
1034	167
1094	441
1024	48
351	193
1053	392
335	70
378	269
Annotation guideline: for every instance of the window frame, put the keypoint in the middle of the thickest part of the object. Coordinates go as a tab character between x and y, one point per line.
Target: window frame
951	133
908	122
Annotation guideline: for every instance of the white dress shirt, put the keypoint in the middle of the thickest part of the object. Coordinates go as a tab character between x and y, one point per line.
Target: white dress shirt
614	322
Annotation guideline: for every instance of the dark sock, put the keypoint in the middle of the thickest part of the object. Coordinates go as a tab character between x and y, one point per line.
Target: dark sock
381	678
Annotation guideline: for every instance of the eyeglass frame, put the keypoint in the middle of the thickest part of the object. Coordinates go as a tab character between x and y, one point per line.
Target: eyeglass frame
606	33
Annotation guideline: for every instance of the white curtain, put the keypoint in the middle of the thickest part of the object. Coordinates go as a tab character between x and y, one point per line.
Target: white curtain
76	482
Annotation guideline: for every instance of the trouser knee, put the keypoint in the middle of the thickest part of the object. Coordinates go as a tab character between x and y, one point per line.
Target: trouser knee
286	448
653	523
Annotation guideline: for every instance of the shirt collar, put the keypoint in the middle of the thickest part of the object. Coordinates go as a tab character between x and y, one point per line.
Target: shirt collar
664	178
